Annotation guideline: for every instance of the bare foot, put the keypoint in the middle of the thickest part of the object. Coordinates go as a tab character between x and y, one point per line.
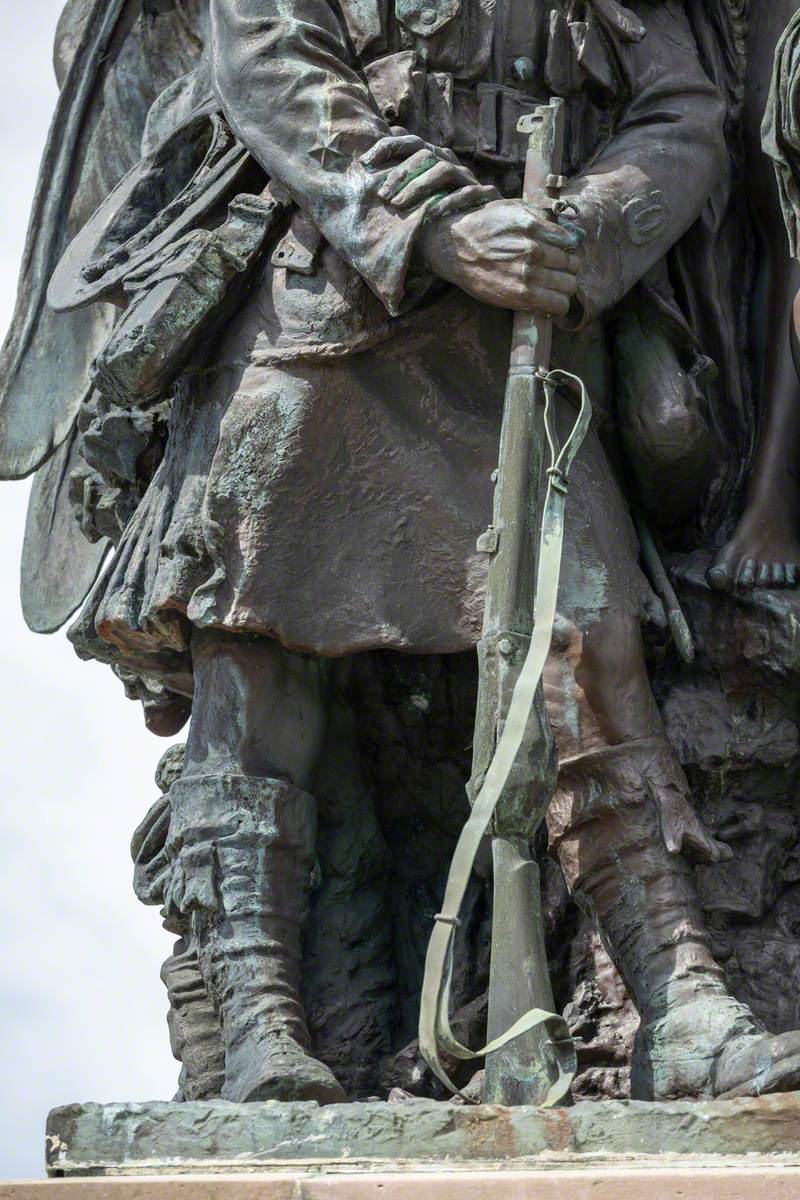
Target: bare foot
764	551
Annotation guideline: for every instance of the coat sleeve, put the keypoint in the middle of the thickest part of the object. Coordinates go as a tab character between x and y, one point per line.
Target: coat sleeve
650	183
281	72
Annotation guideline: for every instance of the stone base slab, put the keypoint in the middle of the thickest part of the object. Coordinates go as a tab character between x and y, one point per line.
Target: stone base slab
731	1182
203	1136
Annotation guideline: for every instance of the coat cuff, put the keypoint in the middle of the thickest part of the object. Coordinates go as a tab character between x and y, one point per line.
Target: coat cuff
628	226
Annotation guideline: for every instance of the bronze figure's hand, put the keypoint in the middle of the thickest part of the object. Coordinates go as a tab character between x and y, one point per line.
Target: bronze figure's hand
420	171
508	254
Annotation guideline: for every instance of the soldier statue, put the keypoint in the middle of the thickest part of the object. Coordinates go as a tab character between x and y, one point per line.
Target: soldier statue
270	370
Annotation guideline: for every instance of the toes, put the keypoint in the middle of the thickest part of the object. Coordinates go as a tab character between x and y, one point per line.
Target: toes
747	575
752	573
720	578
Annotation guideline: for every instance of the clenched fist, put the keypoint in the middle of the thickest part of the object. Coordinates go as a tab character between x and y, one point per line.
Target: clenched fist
505	253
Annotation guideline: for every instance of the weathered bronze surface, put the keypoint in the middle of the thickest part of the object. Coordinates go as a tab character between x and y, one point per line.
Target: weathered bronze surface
258	365
106	1139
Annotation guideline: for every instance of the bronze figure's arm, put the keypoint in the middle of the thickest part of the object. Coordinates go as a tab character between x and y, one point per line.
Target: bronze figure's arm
290	93
286	84
649	184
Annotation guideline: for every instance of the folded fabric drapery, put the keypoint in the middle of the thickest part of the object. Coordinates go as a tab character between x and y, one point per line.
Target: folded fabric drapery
780	131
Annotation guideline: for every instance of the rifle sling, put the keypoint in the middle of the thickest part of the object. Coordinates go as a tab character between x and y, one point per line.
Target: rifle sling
435	1032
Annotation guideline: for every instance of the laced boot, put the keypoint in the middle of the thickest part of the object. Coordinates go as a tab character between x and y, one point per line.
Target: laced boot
618	822
241	853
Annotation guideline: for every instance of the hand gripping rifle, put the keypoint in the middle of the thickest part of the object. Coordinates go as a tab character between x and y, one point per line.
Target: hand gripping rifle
530	1058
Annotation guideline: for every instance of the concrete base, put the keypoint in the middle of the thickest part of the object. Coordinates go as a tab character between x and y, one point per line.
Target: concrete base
633	1182
215	1136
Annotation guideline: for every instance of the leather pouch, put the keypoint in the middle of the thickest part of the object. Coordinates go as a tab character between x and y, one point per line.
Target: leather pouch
662	415
179	300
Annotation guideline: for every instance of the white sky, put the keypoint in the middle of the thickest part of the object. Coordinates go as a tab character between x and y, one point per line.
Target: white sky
81	1005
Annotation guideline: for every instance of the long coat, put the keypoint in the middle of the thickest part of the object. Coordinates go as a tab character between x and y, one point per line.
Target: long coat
327	475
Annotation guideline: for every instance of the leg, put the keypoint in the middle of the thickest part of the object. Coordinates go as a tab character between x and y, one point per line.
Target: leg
241	846
622	815
765	547
258	710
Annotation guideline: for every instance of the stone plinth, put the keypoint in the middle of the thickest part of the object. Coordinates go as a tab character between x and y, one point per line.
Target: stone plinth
158	1138
631	1182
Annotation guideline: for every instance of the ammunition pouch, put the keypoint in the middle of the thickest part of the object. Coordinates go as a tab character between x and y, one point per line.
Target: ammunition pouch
179	299
486	119
478	121
171	245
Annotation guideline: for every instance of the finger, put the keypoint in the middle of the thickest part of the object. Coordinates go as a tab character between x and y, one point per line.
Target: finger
557	259
420	144
547	304
443	177
466	197
398	177
387	148
444	152
577	232
560	282
555	235
400	146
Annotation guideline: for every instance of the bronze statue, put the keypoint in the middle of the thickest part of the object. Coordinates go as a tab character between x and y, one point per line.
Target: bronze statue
269	377
763	551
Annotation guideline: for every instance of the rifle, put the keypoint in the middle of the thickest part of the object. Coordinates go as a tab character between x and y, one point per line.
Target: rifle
530	1057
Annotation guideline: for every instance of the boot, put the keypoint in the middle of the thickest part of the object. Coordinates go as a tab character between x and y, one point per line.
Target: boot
241	853
618	823
194	1031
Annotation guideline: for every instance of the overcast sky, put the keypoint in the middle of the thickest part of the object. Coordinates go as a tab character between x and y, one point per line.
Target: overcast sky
82	1010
